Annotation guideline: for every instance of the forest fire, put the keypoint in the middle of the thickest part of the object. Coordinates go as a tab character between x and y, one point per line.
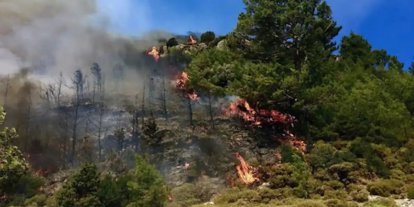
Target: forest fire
245	172
241	108
182	82
296	143
191	40
154	53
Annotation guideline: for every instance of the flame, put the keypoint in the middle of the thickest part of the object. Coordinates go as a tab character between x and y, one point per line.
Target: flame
154	53
192	95
182	82
241	108
295	142
245	171
191	40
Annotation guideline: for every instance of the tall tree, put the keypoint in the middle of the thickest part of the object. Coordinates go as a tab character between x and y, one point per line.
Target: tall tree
286	31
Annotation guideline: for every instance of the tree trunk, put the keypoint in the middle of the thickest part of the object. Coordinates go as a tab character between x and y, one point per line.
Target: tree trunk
190	109
210	107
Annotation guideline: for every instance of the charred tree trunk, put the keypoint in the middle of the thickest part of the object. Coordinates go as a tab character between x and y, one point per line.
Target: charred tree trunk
74	133
27	129
164	99
135	125
190	109
210	109
59	89
101	114
6	92
143	105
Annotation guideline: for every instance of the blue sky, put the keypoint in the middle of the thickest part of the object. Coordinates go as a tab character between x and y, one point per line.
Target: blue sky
386	24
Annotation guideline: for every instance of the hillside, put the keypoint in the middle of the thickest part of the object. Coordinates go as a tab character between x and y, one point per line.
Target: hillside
275	113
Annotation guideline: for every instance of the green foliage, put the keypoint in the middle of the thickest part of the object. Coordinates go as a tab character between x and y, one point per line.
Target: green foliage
82	189
322	155
236	195
146	187
381	202
207	37
385	187
111	192
185	195
287	31
172	42
410	192
359	196
151	131
12	163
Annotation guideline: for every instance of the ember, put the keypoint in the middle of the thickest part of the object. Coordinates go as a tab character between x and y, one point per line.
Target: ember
245	171
154	53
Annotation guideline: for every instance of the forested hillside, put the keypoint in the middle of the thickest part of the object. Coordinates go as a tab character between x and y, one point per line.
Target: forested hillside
279	112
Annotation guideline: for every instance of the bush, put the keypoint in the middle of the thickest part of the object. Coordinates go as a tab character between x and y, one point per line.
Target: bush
146	186
37	200
381	202
321	156
410	192
385	188
336	203
185	195
311	203
359	196
208	37
172	42
82	189
234	195
110	192
280	176
12	163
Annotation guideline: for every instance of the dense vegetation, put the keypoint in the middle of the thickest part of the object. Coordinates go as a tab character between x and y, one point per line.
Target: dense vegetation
353	107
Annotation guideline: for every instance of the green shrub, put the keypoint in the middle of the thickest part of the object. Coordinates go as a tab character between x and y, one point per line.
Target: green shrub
311	203
359	195
146	187
336	203
410	192
381	202
321	156
385	187
208	37
37	200
12	163
185	195
342	172
235	195
81	190
110	192
281	176
172	42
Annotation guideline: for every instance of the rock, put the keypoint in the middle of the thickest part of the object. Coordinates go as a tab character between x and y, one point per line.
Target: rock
222	45
405	202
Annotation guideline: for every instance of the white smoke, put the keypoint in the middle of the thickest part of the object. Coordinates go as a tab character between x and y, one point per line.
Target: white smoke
53	36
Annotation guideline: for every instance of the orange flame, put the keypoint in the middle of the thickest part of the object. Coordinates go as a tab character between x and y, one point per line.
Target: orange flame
154	53
245	171
191	40
241	108
295	143
182	82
